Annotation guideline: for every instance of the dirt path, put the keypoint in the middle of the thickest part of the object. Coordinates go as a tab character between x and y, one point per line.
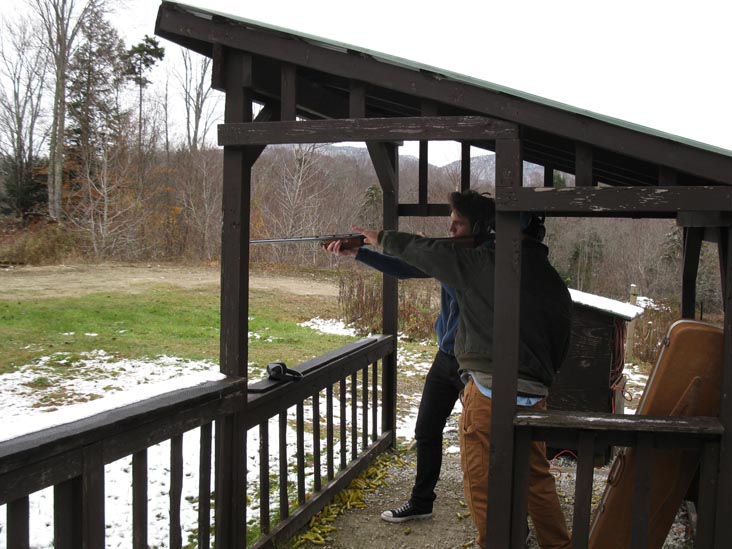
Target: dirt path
76	280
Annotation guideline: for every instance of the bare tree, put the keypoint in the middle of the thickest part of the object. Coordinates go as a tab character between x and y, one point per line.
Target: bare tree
61	21
199	99
201	177
23	68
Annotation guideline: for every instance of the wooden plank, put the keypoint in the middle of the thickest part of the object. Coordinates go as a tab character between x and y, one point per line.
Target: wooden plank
437	128
176	490
204	488
329	434
627	201
342	422
300	458
692	251
390	291
642	492
548	176
139	500
288	91
354	416
465	161
707	502
67	514
505	343
375	401
317	473
423	175
522	453
667	177
19	523
572	421
365	407
723	525
426	210
583	490
583	165
235	231
284	498
92	487
357	100
264	485
385	167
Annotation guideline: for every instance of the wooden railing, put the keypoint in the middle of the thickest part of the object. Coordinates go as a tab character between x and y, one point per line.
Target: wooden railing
588	432
343	386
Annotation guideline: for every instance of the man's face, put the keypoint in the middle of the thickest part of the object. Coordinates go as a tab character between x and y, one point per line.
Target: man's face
459	226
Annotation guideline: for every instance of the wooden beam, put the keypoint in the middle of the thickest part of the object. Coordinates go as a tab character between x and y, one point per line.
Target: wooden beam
288	92
426	210
423	176
357	100
465	164
370	129
386	169
692	250
627	201
583	165
723	525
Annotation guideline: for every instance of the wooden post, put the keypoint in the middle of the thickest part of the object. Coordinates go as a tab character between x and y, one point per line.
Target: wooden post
630	334
505	345
230	439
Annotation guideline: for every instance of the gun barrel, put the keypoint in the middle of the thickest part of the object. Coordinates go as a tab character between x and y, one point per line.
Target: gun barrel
351	240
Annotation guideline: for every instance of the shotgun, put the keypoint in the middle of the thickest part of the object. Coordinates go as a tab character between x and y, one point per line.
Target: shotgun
351	240
355	240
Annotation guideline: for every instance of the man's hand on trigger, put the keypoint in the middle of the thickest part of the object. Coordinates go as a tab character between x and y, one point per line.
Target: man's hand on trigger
372	237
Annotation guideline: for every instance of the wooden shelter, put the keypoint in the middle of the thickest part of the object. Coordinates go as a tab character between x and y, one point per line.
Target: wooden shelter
314	90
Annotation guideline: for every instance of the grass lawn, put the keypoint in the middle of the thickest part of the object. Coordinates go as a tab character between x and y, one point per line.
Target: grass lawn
162	321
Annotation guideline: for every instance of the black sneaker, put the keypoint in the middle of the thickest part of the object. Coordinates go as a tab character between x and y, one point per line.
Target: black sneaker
404	513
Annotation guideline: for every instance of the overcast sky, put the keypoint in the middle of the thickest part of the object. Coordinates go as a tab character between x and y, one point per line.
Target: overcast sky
664	64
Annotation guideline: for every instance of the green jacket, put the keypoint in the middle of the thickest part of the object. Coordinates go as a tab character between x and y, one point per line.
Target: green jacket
546	306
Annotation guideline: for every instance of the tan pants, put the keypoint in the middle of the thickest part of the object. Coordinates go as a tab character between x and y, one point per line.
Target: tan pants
544	509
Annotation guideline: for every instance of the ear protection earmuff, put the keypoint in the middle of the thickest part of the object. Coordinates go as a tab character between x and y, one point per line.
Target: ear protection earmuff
278	371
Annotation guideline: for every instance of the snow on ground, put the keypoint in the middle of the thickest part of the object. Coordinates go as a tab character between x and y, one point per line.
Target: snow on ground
61	388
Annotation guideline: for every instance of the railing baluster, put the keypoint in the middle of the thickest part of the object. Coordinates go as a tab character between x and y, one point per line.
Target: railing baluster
344	442
317	484
93	496
18	523
264	476
642	492
67	513
300	454
522	455
139	500
707	495
354	416
583	490
204	488
365	408
176	490
329	431
375	404
284	501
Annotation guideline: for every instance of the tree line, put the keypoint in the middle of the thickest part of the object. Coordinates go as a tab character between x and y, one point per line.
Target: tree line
93	166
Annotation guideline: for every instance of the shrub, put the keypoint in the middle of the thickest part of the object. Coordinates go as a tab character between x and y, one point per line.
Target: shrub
360	300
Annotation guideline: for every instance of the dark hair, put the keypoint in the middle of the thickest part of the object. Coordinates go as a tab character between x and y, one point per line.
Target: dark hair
478	209
532	225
